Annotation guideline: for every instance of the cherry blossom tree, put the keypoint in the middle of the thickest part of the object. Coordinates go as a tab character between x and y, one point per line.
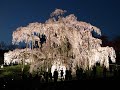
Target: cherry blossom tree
69	43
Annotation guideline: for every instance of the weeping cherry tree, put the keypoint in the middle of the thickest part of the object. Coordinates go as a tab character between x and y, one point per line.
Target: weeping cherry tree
68	43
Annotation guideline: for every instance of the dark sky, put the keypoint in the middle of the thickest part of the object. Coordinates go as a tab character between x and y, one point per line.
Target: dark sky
105	14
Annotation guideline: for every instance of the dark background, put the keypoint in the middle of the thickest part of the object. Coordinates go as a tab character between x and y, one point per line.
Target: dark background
104	14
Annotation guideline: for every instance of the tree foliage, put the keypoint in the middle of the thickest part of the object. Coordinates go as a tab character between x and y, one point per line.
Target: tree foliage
68	42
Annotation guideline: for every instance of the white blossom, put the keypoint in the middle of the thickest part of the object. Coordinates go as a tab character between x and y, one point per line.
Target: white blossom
68	41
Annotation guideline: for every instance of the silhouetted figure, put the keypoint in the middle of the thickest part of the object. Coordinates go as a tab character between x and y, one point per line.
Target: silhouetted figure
61	73
77	73
119	73
94	71
115	71
104	72
42	79
81	73
50	76
55	75
110	68
66	74
30	76
70	75
24	76
46	77
36	77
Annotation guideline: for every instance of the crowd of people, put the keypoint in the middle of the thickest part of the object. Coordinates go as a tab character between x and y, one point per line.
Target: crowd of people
80	74
59	76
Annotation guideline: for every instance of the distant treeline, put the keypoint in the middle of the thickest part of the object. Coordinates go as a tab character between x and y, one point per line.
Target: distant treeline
2	56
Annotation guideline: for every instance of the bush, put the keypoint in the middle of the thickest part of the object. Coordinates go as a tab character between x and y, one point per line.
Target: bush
13	71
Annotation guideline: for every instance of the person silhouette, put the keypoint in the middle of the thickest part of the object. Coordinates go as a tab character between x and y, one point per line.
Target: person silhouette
104	72
55	75
77	73
46	76
70	75
81	73
66	74
115	71
61	73
50	76
94	71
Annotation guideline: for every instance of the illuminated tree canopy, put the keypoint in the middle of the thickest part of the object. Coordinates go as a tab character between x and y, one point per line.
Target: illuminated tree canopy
62	41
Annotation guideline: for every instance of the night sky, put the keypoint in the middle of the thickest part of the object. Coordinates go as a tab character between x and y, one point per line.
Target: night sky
104	14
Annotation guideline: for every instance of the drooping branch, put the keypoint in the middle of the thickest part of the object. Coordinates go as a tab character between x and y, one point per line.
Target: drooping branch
67	41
